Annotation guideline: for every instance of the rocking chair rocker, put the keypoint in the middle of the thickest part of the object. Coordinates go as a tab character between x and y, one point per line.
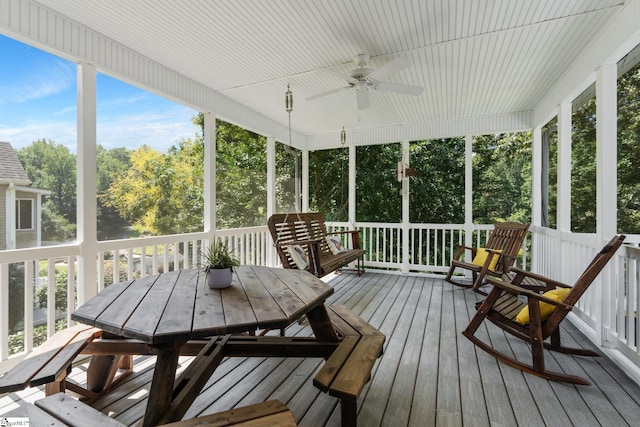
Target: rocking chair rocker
503	308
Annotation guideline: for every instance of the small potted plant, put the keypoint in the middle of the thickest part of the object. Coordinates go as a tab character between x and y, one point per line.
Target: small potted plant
219	263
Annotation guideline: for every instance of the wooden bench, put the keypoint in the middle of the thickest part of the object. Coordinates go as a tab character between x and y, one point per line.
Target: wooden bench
348	369
51	362
309	231
68	411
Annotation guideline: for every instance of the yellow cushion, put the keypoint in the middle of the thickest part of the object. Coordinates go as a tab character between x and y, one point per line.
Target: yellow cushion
481	257
545	308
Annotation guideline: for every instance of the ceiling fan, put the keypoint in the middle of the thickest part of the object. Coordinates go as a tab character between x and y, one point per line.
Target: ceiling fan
364	79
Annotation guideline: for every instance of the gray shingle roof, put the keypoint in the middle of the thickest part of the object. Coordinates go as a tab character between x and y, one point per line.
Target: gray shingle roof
11	169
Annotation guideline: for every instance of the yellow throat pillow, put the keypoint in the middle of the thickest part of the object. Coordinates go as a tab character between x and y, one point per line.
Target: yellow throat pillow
546	309
481	257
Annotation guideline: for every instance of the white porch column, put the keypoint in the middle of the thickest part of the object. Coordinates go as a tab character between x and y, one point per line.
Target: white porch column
87	233
606	188
536	193
209	174
271	194
405	210
352	186
468	192
563	215
606	151
305	180
10	226
38	219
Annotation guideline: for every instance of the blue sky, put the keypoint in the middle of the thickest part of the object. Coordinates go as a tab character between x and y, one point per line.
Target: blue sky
38	100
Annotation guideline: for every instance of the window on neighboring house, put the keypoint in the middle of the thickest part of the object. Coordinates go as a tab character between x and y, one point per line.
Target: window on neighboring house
24	214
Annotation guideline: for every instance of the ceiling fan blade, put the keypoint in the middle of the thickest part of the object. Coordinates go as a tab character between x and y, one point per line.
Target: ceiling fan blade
400	88
364	99
320	95
389	69
330	72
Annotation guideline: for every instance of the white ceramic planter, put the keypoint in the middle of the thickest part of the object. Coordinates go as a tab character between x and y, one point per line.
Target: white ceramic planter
219	278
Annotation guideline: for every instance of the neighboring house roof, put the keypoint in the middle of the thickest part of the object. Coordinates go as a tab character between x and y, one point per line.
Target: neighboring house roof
11	170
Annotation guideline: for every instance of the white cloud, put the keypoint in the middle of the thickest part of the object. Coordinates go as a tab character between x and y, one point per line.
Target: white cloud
39	85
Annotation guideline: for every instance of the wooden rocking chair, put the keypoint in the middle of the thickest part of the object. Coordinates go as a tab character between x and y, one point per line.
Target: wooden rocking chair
503	308
501	252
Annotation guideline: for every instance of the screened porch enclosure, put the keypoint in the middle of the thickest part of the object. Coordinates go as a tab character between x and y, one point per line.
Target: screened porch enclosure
555	106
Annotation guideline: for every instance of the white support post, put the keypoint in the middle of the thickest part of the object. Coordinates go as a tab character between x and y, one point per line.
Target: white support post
87	233
352	186
606	188
405	210
209	175
39	220
536	192
468	194
271	194
10	226
305	180
564	169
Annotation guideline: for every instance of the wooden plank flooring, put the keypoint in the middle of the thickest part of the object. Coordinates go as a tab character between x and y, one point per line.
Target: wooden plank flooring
429	375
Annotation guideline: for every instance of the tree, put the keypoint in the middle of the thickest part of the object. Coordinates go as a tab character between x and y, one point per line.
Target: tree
628	152
52	167
110	164
437	192
502	178
161	193
241	177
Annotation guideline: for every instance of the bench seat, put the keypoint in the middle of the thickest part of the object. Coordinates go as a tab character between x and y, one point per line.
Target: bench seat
349	367
51	362
309	231
61	409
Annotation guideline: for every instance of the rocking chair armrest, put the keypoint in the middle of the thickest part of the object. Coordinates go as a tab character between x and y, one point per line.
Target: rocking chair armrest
550	284
461	250
517	290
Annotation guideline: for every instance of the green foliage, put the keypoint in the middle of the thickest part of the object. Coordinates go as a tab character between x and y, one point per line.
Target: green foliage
16	340
51	166
111	164
61	292
502	178
161	193
219	255
241	177
378	195
16	297
329	183
436	194
629	151
583	169
286	158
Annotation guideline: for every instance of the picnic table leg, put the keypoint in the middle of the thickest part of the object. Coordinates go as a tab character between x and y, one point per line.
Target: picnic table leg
164	375
321	324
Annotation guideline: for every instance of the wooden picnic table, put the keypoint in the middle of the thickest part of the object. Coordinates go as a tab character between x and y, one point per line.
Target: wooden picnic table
169	309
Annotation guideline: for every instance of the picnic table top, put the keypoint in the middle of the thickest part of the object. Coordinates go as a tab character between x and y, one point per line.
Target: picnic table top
178	305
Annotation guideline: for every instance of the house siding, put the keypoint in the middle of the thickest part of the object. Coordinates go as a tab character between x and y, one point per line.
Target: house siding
3	219
27	238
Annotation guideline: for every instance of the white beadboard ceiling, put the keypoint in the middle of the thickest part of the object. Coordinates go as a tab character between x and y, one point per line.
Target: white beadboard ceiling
475	59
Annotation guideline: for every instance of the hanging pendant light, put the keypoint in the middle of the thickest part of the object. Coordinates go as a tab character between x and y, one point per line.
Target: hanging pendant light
343	136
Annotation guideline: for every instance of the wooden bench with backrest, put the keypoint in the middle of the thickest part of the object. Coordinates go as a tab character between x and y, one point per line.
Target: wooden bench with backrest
50	363
535	315
494	259
348	369
307	233
62	409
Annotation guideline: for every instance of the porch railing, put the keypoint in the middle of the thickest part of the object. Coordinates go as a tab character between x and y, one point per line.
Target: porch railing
608	312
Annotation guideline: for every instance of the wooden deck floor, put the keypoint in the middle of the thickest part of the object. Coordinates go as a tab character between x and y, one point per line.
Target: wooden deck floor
429	375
